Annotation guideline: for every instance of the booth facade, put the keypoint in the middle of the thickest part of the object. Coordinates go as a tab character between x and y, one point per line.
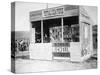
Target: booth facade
61	33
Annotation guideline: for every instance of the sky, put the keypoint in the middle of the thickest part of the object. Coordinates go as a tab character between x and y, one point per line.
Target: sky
22	9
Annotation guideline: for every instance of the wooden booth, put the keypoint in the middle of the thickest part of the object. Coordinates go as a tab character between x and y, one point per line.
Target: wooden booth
61	33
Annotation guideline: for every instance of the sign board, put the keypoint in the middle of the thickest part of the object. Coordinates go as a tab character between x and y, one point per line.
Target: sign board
61	47
61	50
53	12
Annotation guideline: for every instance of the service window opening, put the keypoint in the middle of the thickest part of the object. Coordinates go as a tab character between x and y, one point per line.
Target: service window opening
52	30
71	29
37	26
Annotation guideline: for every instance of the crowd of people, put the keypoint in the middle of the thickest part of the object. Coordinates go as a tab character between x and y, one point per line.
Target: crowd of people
19	45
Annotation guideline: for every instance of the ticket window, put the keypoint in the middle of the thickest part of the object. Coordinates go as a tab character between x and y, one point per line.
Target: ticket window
37	26
71	29
52	30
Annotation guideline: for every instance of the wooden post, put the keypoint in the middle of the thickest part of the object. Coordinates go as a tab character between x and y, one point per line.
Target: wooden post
62	28
41	31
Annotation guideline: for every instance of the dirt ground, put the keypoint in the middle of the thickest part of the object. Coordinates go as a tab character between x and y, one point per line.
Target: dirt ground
27	65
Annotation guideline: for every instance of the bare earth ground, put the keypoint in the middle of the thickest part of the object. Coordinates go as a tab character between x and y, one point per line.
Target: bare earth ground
25	65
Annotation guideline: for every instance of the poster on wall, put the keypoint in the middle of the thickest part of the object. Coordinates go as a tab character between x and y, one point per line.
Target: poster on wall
86	39
56	34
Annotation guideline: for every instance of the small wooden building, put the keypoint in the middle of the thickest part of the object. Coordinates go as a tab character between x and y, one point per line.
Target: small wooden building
61	33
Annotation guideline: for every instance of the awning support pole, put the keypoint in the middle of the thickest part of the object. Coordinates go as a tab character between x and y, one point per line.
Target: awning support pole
41	31
62	28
